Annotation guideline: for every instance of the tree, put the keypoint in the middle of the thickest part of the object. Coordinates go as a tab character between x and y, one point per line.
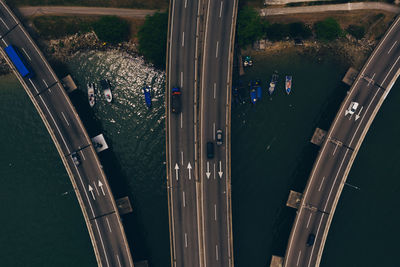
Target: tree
277	31
357	31
153	38
328	29
112	29
249	26
299	29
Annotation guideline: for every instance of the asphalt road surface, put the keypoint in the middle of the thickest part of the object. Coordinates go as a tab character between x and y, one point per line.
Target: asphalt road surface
92	189
181	135
214	112
345	136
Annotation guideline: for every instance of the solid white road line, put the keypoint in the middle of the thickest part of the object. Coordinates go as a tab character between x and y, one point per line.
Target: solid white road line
62	113
37	91
390	70
83	155
45	83
5	43
392	47
220	9
309	219
4	24
109	226
26	54
102	243
320	186
97	189
119	261
335	150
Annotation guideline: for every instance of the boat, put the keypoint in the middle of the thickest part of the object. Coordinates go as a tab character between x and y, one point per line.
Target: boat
247	62
91	96
259	89
105	84
253	92
288	84
147	95
273	82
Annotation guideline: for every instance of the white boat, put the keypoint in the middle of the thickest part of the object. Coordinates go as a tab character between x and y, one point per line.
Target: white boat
105	84
91	96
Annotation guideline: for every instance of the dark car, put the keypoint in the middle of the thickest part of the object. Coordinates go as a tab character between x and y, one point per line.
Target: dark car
75	158
310	240
210	150
219	137
176	100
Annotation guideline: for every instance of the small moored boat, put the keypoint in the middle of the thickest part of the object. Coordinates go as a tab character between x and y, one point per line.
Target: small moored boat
147	95
273	82
91	96
288	84
105	84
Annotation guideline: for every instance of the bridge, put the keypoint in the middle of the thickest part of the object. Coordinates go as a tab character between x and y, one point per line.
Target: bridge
339	150
69	135
199	62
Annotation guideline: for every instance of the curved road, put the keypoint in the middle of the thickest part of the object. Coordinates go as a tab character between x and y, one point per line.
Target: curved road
340	149
215	100
88	179
181	131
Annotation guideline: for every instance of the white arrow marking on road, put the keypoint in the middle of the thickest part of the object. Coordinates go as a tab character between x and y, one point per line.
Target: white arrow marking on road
208	173
176	171
101	187
91	191
189	168
358	115
220	170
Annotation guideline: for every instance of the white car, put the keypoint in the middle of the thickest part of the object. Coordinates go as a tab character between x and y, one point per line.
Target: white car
352	108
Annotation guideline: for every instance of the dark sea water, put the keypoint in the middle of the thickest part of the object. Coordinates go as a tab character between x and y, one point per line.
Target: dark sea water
42	223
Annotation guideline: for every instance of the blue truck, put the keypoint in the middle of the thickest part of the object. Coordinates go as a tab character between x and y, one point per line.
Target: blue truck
18	62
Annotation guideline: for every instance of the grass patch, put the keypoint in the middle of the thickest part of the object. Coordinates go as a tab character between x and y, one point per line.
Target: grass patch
140	4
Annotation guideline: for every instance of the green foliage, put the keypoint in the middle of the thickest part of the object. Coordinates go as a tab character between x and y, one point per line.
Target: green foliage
249	26
56	27
357	31
153	38
299	29
277	31
112	29
328	29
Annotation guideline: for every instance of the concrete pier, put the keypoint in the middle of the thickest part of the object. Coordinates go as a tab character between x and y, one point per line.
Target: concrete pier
350	76
318	137
294	199
124	205
276	261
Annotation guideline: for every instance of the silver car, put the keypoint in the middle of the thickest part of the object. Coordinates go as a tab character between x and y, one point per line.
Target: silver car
219	137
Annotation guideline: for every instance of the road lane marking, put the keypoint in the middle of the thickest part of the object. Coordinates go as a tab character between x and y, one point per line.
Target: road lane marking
182	157
45	83
320	186
220	170
109	226
312	250
4	24
208	170
215	90
97	190
4	42
190	171
181	120
216	252
101	187
215	212
26	54
220	9
214	131
358	115
91	192
183	197
214	172
371	79
183	39
335	149
186	242
181	78
119	262
216	51
390	70
176	171
58	129
62	113
83	155
298	258
309	219
185	3
392	47
37	91
102	243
